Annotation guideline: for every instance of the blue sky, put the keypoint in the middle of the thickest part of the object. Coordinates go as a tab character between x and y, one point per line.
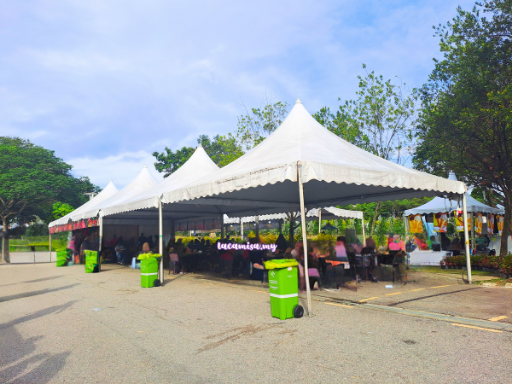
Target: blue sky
106	83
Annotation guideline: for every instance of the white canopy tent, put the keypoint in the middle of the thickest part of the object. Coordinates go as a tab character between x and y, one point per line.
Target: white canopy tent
142	182
105	194
142	207
108	191
302	163
327	213
441	204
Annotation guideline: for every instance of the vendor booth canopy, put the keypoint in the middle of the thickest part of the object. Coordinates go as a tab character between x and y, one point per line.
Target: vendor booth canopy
143	181
440	204
108	191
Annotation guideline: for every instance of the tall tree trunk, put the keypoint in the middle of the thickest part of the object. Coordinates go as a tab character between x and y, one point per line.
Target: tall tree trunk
507	224
5	243
375	215
291	218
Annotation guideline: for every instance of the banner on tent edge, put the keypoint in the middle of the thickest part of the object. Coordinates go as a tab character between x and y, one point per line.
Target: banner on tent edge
490	224
478	223
415	224
500	219
440	222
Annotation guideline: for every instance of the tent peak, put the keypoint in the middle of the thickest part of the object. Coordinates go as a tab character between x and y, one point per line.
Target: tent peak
452	176
298	101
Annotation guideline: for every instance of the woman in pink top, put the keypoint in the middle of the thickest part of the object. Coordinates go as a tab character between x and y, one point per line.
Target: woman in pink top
397	244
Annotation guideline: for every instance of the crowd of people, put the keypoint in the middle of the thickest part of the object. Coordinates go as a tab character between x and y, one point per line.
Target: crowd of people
346	257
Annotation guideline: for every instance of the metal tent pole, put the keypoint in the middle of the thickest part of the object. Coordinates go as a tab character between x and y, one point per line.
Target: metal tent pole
472	230
257	228
100	241
241	229
319	220
160	241
304	236
466	237
50	246
222	229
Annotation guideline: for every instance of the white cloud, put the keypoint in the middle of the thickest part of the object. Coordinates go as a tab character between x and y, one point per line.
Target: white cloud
96	78
121	169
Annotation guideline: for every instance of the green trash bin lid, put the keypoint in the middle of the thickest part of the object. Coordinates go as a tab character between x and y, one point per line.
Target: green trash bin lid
280	263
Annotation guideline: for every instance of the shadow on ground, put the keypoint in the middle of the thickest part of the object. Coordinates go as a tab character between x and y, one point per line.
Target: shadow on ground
35	293
18	362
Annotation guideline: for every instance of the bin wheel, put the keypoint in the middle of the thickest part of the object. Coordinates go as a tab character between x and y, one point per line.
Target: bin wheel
298	311
157	283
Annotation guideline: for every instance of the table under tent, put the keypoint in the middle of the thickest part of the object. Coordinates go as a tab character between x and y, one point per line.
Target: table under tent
300	165
482	219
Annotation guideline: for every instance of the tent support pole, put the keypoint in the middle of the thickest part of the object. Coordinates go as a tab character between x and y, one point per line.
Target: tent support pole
280	226
160	241
50	246
101	241
466	236
319	220
364	235
472	230
304	237
241	229
222	229
257	227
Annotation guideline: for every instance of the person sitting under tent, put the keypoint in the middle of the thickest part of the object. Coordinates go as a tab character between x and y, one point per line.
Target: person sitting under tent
481	243
281	243
445	242
370	243
455	246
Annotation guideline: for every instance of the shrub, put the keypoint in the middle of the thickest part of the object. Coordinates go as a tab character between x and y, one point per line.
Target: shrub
506	264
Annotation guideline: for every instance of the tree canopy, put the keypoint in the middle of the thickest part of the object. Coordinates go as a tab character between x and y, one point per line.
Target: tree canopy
258	123
221	149
32	178
465	122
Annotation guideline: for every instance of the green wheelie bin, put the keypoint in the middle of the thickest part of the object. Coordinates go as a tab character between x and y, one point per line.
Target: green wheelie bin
283	283
91	261
62	258
149	264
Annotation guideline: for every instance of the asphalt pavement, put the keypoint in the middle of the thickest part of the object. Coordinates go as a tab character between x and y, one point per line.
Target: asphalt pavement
60	325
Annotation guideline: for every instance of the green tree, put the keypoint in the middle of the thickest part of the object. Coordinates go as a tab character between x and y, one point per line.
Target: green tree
168	162
61	209
31	180
465	121
221	149
379	120
258	123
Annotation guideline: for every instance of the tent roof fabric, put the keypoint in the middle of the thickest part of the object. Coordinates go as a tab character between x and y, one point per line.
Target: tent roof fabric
328	213
143	181
196	167
440	204
108	191
333	171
